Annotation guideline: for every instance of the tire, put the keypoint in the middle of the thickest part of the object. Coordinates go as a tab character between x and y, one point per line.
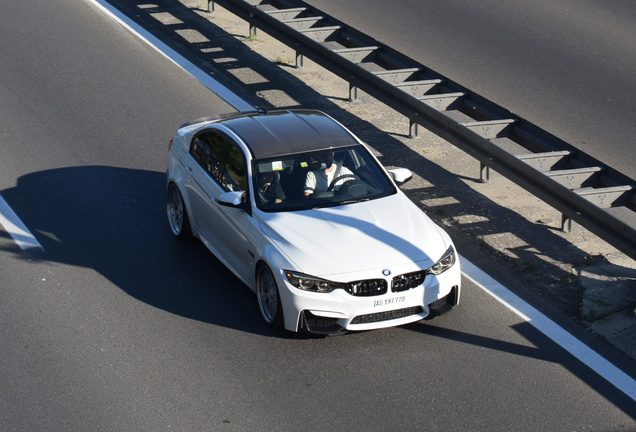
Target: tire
268	297
177	214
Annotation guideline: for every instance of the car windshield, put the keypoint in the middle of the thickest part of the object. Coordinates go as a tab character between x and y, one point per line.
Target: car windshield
319	179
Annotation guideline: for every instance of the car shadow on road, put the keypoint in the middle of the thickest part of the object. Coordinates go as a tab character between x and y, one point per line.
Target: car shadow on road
113	220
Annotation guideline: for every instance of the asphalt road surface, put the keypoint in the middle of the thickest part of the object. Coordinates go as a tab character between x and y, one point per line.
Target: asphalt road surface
117	326
568	66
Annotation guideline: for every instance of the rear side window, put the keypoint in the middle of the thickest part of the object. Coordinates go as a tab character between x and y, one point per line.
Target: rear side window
223	160
211	150
197	148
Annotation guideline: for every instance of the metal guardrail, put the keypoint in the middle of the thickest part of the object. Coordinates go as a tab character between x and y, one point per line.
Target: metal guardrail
597	197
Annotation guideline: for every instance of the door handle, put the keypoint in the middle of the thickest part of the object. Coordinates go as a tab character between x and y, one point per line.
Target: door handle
189	170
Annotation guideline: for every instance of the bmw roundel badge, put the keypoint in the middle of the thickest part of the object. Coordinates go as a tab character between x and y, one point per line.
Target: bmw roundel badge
386	272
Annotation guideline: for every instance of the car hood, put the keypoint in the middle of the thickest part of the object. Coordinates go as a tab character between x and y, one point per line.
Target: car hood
374	234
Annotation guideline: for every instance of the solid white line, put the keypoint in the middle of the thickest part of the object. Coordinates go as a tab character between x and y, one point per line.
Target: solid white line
578	349
205	79
16	229
568	342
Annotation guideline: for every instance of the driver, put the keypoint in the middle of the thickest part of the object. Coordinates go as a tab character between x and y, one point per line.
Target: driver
269	189
321	179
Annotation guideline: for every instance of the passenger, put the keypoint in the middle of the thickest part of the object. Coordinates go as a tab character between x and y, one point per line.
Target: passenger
269	188
319	180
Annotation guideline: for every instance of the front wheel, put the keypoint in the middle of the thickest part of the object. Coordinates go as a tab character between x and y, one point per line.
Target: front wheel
177	214
268	297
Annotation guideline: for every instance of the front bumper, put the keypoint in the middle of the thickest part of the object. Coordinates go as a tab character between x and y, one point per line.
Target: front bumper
338	311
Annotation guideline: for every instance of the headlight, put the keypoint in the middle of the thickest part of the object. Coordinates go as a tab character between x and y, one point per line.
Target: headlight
444	263
310	283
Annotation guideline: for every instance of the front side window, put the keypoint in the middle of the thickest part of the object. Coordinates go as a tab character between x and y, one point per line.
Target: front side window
234	176
319	179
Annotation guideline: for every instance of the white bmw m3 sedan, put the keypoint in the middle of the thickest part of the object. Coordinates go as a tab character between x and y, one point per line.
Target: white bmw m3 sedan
303	213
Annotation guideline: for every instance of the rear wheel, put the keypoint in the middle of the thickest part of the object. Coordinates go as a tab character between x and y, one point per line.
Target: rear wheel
268	297
177	214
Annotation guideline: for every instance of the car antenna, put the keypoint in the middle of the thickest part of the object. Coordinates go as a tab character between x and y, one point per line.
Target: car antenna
262	110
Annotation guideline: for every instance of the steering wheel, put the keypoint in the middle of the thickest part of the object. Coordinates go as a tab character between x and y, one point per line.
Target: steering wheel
337	179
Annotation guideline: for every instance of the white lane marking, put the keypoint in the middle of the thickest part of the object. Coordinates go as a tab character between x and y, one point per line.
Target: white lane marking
575	347
16	229
205	79
578	349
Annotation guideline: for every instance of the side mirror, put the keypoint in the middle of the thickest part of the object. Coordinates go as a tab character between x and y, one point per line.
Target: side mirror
400	175
233	199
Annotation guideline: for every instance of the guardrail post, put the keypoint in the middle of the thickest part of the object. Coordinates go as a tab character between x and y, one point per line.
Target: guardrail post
299	60
252	31
353	92
414	129
210	6
566	224
484	169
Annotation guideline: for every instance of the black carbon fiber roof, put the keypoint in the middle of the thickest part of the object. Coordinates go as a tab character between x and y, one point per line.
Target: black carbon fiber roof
287	132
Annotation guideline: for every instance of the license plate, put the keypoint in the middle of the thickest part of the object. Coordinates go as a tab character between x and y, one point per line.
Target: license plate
389	301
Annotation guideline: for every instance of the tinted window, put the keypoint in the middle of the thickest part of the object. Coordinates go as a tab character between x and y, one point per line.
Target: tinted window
211	150
234	176
197	148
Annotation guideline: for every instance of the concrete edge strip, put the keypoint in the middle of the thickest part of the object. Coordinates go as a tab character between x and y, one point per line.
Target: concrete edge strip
578	349
568	342
221	91
16	229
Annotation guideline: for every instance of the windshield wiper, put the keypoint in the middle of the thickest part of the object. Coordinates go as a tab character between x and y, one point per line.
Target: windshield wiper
349	201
